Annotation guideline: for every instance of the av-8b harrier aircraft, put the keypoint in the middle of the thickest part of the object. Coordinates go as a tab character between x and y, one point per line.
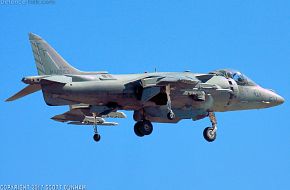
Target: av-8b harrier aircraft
163	97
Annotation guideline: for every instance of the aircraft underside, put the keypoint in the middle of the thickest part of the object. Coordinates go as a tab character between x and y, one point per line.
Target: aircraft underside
161	107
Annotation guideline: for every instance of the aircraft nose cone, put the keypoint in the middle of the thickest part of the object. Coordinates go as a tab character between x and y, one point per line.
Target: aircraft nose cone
276	99
272	98
279	99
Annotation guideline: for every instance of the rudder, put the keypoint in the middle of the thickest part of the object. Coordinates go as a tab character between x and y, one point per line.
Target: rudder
47	60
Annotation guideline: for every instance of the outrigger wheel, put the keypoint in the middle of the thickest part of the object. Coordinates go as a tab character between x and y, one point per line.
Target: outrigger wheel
170	115
97	137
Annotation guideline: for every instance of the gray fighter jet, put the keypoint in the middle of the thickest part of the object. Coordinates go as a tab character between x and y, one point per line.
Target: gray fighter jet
164	97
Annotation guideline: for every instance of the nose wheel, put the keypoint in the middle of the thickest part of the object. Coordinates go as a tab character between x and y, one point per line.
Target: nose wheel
210	133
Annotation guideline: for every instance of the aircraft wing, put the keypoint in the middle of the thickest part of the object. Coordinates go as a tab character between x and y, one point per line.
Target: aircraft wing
179	81
80	115
154	85
105	123
172	80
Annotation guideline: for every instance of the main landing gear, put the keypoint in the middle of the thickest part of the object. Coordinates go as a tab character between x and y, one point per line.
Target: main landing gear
142	128
97	136
209	133
170	114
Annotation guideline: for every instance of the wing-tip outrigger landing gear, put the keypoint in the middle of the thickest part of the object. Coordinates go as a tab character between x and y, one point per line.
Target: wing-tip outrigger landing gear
209	133
170	115
97	136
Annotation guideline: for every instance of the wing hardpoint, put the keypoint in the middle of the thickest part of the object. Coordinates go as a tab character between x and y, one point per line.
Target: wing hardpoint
80	115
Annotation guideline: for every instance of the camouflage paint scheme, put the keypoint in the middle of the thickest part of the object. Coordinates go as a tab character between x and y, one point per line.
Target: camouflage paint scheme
93	96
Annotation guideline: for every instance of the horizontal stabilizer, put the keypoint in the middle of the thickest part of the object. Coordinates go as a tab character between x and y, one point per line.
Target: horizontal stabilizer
25	91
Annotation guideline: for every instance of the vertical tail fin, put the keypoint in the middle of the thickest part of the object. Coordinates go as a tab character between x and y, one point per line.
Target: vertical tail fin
47	60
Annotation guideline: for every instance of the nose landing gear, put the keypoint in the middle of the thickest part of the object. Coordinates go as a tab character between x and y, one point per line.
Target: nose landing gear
210	133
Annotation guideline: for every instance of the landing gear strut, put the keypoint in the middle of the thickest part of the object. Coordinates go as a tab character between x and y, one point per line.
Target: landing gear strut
97	136
209	133
170	114
142	128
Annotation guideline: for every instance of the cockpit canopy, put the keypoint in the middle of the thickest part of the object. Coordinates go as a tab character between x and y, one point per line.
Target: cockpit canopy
240	78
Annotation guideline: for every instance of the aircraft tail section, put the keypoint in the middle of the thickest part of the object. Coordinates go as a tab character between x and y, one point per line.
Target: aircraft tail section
52	70
31	88
47	60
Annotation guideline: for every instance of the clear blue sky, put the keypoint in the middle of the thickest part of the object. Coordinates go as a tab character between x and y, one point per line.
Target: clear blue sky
252	150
